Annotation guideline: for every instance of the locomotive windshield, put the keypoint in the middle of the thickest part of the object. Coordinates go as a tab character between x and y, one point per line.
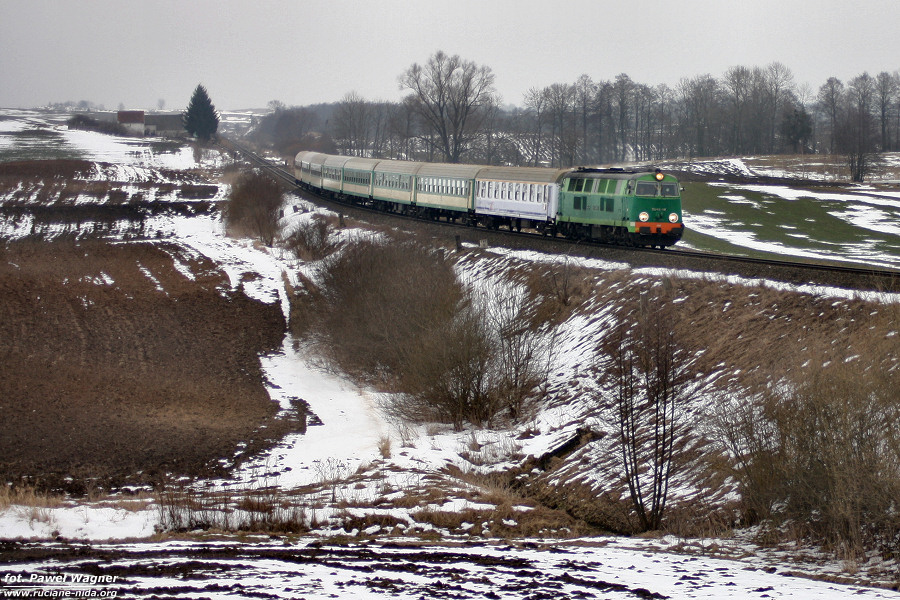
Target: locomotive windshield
668	190
652	188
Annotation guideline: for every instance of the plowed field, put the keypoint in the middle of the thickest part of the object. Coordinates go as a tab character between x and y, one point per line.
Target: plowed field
119	366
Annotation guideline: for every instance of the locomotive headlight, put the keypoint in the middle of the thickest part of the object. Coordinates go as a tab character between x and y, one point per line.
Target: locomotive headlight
644	217
673	217
659	175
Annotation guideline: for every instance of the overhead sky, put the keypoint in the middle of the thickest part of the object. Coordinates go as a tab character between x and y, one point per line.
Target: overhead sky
136	53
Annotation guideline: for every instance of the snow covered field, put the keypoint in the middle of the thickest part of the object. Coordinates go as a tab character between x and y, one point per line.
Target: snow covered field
856	224
344	463
595	568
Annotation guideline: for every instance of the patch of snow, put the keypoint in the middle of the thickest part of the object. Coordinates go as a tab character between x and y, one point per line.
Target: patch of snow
82	522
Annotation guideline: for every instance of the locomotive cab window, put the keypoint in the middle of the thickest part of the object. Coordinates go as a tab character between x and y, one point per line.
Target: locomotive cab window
645	188
669	190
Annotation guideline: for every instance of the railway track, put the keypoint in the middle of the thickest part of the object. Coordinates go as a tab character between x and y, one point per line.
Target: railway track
794	272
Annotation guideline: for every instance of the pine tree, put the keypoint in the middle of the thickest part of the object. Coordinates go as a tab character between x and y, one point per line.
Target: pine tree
201	119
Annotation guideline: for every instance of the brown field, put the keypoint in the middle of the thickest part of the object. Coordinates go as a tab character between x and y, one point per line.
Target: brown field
106	380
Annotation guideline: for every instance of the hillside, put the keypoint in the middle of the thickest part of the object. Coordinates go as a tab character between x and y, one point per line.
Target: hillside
159	303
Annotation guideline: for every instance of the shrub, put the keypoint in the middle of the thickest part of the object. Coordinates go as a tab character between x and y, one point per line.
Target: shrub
376	304
395	313
254	205
489	359
80	121
448	378
311	240
823	454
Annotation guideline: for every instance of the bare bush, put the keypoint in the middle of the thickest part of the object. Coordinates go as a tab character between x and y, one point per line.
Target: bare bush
378	302
447	378
311	240
258	509
488	360
254	206
522	346
395	313
823	453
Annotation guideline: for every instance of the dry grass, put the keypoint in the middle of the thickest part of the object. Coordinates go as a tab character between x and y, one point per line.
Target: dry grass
250	509
823	454
741	339
29	496
826	167
384	447
755	334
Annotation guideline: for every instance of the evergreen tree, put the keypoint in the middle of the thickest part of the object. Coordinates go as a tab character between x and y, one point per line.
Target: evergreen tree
201	119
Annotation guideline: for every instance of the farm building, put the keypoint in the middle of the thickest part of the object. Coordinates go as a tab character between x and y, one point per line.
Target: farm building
164	124
132	120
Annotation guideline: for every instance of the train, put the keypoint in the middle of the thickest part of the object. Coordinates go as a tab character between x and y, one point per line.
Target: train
633	207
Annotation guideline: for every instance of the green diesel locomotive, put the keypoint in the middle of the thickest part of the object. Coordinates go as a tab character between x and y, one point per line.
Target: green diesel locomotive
639	208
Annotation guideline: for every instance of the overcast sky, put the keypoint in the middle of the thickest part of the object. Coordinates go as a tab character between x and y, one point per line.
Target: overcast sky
246	53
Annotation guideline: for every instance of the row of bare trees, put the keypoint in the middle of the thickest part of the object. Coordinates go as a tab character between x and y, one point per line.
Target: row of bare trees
453	113
746	111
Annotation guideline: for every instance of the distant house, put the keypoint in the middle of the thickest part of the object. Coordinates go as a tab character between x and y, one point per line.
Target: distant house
164	124
132	121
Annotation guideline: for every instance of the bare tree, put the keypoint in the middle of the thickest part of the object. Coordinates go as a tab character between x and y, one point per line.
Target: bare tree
289	130
831	99
666	124
522	348
856	131
736	86
644	103
452	96
561	105
700	103
585	92
647	373
886	88
380	115
489	360
537	107
780	81
352	123
602	141
623	89
402	128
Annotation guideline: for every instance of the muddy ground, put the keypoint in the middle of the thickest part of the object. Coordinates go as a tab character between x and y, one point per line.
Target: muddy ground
116	368
262	571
